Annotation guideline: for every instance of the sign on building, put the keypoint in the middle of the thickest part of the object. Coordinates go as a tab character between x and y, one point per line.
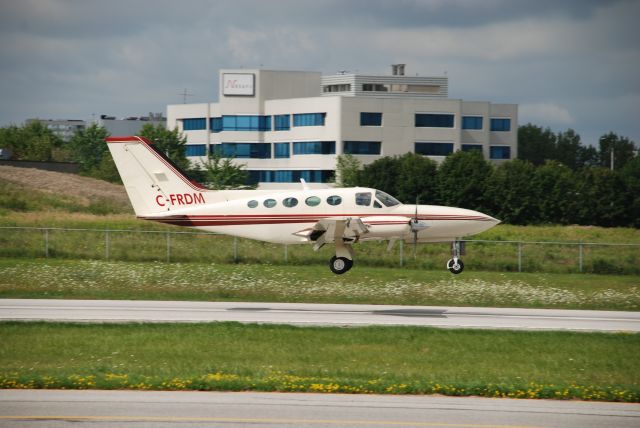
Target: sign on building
238	84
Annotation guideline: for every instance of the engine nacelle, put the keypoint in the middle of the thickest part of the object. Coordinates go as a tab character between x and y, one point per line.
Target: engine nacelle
391	226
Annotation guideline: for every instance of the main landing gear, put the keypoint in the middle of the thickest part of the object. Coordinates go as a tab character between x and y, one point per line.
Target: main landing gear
455	264
343	260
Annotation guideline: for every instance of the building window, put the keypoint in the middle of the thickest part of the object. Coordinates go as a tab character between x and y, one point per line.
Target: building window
471	147
430	120
290	176
215	124
245	123
309	119
500	152
281	150
194	124
195	150
434	149
374	87
362	147
370	119
471	122
314	148
501	125
344	87
282	122
245	150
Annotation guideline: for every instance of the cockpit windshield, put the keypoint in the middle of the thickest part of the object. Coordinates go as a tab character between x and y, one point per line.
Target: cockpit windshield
386	199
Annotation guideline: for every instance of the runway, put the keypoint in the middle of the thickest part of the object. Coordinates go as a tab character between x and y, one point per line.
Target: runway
317	314
46	408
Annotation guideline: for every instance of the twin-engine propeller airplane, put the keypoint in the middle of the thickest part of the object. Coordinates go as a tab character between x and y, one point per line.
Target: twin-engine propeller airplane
160	191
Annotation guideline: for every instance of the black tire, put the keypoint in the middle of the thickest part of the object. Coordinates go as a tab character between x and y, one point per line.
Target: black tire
455	268
340	265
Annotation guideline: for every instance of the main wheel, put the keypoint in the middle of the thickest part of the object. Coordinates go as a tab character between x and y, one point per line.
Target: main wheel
455	267
340	265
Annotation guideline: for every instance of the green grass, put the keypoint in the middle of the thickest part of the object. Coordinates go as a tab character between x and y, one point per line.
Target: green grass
230	356
83	279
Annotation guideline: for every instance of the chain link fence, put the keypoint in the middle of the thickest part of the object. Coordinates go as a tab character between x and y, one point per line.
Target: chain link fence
174	246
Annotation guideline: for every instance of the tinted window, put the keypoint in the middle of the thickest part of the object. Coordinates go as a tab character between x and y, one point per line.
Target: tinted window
363	199
334	200
312	201
376	204
290	202
252	204
386	199
270	203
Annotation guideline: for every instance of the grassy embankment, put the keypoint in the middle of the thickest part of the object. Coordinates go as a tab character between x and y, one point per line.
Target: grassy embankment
229	356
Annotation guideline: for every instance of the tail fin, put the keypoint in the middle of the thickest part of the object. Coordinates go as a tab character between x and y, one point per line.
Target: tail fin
154	184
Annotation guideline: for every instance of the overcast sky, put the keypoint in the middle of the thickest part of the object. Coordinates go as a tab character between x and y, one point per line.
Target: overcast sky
568	64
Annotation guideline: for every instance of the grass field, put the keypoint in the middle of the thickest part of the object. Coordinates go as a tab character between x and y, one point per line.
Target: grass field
402	360
136	240
84	279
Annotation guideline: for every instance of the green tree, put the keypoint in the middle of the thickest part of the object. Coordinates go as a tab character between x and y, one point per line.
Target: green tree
417	179
382	174
623	150
348	171
33	141
536	144
604	198
222	173
89	148
630	174
462	179
170	142
511	194
555	192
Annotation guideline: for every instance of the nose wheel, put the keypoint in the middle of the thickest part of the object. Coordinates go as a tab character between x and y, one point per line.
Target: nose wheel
340	265
455	265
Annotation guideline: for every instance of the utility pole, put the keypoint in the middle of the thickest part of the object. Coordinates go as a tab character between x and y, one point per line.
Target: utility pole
185	94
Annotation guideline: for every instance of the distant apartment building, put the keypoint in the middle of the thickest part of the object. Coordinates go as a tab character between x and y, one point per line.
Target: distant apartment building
287	125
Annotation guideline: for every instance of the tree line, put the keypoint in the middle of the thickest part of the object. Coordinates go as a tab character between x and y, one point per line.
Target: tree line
35	142
555	180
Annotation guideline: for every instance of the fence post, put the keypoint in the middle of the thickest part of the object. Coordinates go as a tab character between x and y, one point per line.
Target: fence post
168	247
401	252
235	249
519	256
106	244
46	243
580	257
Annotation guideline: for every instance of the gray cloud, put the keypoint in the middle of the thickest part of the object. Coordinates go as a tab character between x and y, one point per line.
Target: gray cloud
567	63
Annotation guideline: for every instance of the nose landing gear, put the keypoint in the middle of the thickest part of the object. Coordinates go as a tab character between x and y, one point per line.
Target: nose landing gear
455	264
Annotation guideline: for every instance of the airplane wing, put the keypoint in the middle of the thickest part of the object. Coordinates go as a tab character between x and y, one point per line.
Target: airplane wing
328	230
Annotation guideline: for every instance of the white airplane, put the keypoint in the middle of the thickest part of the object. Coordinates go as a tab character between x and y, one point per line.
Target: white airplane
160	191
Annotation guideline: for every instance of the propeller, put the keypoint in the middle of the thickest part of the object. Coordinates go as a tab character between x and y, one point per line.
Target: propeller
416	226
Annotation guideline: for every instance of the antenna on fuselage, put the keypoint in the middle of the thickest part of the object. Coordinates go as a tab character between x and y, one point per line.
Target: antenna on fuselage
305	186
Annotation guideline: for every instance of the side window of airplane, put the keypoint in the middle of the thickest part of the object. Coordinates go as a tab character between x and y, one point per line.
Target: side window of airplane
363	199
270	203
252	204
312	201
290	202
376	204
334	200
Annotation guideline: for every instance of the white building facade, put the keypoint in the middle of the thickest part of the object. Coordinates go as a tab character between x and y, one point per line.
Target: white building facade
287	125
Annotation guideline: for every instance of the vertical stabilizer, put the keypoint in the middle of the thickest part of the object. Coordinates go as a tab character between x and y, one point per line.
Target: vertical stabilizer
154	184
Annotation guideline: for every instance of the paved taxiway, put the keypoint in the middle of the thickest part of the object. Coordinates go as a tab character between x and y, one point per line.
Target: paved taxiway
316	314
38	408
